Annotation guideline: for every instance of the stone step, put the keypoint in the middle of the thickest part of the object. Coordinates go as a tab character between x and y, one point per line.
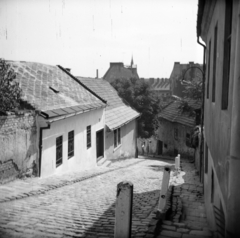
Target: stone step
101	161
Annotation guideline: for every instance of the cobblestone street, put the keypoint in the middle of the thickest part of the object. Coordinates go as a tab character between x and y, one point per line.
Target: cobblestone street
82	203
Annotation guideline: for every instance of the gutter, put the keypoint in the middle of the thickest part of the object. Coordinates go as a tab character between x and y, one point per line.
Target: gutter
202	114
57	118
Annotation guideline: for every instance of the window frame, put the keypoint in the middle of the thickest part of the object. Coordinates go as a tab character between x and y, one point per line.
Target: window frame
227	53
209	64
70	144
206	159
175	133
59	150
117	137
188	139
89	136
214	63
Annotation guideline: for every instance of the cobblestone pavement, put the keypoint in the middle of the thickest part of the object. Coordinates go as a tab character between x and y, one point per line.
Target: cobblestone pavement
190	219
80	204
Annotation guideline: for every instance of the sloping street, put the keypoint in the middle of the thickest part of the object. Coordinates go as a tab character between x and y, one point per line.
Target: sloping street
84	208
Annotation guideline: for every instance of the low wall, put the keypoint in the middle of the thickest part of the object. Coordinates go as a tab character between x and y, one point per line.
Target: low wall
18	143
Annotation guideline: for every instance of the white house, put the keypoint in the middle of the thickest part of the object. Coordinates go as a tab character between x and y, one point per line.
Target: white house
121	122
70	119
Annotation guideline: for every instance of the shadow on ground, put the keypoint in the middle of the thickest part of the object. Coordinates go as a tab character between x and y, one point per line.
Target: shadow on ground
143	205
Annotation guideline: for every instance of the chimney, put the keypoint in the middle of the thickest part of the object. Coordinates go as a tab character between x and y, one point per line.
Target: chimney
97	74
68	69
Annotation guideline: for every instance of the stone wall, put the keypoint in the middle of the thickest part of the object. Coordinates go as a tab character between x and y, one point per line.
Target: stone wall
18	143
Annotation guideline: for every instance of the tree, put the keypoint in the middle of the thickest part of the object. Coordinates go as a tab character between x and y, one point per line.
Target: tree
193	88
137	94
10	91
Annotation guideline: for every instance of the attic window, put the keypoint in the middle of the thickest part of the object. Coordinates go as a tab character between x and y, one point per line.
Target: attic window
54	89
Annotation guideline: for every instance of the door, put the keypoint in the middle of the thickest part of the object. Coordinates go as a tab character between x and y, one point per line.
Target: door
160	147
100	144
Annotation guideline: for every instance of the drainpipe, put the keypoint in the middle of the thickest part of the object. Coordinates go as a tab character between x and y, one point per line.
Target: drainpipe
202	114
40	147
40	143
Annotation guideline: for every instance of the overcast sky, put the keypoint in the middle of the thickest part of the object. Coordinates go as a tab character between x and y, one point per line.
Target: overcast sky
86	35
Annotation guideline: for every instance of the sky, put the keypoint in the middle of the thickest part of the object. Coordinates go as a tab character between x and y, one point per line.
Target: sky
86	35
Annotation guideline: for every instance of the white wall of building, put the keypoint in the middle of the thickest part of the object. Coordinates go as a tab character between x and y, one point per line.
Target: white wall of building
127	148
83	158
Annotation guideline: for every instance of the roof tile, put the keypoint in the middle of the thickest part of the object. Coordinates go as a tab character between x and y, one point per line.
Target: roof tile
35	80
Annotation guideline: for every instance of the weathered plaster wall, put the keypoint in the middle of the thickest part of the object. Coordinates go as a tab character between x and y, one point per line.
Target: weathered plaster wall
218	121
83	158
18	143
150	146
170	143
128	142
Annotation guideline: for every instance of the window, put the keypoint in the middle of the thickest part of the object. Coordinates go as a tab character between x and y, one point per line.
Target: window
70	144
88	137
209	63
59	153
214	63
117	137
188	139
175	133
227	53
206	159
212	188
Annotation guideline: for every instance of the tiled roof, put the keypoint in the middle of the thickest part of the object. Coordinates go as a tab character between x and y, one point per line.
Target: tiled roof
173	113
51	90
119	71
117	112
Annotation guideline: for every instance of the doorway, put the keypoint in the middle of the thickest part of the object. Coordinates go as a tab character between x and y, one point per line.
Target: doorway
100	144
159	146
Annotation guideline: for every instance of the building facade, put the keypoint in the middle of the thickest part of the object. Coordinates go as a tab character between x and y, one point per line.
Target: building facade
219	27
120	131
118	70
69	118
176	128
160	87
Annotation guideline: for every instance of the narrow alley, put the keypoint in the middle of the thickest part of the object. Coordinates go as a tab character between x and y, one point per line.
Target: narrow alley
82	204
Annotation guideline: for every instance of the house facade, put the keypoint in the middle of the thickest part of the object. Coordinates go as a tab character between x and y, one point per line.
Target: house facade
120	130
69	117
219	27
160	86
175	130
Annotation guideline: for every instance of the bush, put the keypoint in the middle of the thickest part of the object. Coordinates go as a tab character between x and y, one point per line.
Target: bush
10	92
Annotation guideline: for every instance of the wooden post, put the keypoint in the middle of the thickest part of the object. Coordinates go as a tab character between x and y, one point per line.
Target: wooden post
123	211
164	189
177	162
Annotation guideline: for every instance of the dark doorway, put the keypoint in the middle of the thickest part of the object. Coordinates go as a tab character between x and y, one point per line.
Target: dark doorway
100	144
159	146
